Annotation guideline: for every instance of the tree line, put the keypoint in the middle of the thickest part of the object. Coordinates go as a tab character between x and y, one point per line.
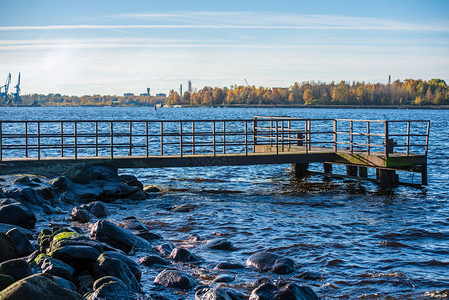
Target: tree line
407	92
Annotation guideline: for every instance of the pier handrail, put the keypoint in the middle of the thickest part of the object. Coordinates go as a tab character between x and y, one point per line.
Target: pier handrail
37	139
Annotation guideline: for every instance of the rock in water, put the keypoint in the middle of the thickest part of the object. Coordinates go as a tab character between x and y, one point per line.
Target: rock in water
139	229
229	266
217	293
38	287
16	268
79	257
98	209
132	265
108	266
7	248
131	180
117	237
175	279
110	287
16	215
54	267
266	261
183	255
152	260
294	291
80	214
220	244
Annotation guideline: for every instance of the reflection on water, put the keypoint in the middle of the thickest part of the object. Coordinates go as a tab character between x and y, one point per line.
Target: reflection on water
351	240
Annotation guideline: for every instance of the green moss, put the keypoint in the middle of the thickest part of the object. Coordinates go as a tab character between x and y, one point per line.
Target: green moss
40	257
67	235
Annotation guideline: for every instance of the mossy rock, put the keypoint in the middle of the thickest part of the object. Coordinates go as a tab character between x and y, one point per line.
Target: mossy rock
5	281
46	236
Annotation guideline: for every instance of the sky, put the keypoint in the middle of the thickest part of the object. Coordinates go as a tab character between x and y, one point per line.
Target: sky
114	47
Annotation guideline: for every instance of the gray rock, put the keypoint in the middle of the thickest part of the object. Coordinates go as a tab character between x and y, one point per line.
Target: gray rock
117	237
224	278
151	189
17	215
132	265
7	248
220	244
38	287
175	279
217	293
264	291
16	268
108	266
131	180
194	238
23	193
61	184
183	255
79	257
229	266
4	228
110	287
165	249
151	260
266	261
139	229
80	214
67	284
84	174
55	267
98	209
21	242
294	291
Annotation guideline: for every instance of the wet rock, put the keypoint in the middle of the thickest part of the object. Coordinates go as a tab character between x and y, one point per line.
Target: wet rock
165	249
79	257
98	209
152	260
110	287
139	229
16	215
117	237
132	265
131	180
266	261
108	266
61	184
294	291
66	237
220	244
264	291
151	189
194	238
183	255
84	174
55	267
7	248
175	279
217	293
23	193
38	287
84	282
67	284
229	266
16	268
5	281
21	242
4	228
183	208
80	214
139	195
68	197
310	276
6	201
224	278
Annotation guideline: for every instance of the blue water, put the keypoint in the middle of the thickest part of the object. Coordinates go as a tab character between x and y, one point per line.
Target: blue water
363	241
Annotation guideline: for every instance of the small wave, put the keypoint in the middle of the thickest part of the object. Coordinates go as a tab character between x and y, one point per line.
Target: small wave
413	234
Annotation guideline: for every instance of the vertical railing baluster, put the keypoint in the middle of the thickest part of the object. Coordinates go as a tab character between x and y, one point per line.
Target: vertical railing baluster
276	139
180	138
246	137
213	136
224	137
38	140
427	137
146	139
254	134
335	137
75	133
271	133
306	136
368	137
282	135
26	139
289	135
130	124
162	138
386	139
61	129
193	137
96	138
408	138
351	129
1	141
112	138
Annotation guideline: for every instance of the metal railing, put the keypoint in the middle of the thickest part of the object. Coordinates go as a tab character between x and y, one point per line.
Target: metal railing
112	138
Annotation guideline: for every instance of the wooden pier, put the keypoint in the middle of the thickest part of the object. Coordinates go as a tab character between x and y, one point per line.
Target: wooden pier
51	147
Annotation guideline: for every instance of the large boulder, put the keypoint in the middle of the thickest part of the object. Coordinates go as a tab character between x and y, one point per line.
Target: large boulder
17	215
175	279
138	228
84	174
5	281
23	193
16	268
79	257
266	261
108	266
132	265
21	242
65	237
7	248
38	287
117	237
217	293
110	287
50	265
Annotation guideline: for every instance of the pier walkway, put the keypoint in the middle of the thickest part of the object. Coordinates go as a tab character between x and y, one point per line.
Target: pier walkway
51	147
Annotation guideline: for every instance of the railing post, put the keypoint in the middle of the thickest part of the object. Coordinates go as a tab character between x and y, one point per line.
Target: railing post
26	139
1	141
368	138
335	137
309	133
38	140
162	138
75	133
408	138
282	135
306	135
96	138
351	139
386	139
112	139
254	134
130	124
146	139
213	136
180	138
271	133
224	137
427	139
246	137
289	126
276	139
193	137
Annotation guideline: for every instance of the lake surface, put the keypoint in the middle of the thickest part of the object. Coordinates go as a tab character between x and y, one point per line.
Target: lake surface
361	240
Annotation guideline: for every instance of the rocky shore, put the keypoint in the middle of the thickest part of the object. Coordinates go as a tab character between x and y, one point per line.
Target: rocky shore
90	255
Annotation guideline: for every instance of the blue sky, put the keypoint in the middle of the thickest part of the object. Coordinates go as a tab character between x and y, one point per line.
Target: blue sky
113	47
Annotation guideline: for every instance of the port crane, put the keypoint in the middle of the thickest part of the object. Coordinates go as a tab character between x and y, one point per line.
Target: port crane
5	87
17	99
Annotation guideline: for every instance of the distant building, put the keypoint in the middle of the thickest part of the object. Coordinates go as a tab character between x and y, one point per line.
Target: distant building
161	95
145	94
128	94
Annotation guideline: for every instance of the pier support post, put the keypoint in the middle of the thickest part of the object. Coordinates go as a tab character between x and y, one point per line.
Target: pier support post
351	170
386	178
327	168
363	172
300	169
424	174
